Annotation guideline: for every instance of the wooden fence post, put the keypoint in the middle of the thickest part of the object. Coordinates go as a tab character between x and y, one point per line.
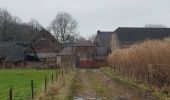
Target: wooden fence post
45	83
10	94
56	75
59	71
52	79
32	89
114	68
72	68
66	70
148	78
62	72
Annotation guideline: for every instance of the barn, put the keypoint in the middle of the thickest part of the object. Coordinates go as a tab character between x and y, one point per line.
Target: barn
47	47
18	54
102	42
85	52
124	37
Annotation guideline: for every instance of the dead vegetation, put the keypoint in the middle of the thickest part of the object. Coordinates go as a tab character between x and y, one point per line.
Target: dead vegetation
148	62
62	89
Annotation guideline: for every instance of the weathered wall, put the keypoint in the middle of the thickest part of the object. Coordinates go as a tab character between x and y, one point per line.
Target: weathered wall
114	42
84	51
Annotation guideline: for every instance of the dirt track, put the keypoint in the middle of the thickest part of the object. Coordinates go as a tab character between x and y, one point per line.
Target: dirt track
92	84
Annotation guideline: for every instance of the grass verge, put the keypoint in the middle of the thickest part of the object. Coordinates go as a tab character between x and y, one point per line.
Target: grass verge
133	83
63	89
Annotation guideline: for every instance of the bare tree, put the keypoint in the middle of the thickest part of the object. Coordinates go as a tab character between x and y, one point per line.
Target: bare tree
5	20
155	26
12	28
64	27
92	37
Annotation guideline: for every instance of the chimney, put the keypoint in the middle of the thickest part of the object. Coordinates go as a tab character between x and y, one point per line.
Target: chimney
98	31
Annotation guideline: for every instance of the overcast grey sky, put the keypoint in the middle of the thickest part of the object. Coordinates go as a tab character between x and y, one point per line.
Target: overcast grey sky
93	15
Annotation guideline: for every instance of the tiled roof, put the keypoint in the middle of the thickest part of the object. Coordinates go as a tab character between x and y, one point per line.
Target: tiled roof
46	42
14	51
44	34
16	54
103	38
5	48
45	45
130	35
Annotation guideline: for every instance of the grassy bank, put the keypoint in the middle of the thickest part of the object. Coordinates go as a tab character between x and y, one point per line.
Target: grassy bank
63	89
145	88
20	81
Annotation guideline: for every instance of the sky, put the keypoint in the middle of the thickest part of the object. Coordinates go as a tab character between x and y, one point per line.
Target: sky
93	15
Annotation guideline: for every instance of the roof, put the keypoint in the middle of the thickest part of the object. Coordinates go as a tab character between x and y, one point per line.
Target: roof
44	41
45	45
102	50
103	38
130	35
4	48
67	51
7	44
84	44
15	51
44	34
16	54
68	44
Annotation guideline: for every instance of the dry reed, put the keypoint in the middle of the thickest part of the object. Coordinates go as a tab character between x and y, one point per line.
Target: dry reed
148	62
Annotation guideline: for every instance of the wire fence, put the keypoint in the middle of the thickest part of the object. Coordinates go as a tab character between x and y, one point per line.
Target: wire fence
33	87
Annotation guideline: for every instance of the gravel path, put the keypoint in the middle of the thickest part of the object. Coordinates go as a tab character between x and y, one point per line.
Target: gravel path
84	90
92	84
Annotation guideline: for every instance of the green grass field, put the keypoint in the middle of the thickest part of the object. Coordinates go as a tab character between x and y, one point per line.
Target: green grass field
20	81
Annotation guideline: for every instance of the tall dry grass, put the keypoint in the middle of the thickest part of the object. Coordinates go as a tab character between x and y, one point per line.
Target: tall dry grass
63	89
148	62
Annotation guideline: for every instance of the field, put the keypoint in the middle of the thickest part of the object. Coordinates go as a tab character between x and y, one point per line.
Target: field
20	81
